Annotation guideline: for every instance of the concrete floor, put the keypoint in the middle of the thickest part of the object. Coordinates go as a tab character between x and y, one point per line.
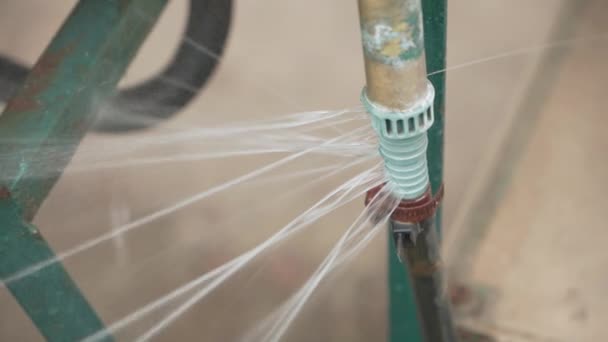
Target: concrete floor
277	63
543	255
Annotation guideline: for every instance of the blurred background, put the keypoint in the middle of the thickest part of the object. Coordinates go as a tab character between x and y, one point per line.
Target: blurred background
525	166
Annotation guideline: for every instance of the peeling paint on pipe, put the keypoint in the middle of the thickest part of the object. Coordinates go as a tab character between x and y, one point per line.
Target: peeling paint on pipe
393	46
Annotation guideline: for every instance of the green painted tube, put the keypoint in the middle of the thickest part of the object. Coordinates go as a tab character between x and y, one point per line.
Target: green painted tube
435	34
54	109
403	315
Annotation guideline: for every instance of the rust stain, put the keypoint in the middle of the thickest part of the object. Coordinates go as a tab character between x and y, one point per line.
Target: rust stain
4	193
21	104
460	295
424	269
37	81
465	300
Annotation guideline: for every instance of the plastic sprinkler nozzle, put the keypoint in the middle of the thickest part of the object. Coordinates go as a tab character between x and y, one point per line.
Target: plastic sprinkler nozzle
403	141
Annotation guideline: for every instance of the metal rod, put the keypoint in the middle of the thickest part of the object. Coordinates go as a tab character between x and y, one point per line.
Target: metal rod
435	33
418	247
402	287
54	109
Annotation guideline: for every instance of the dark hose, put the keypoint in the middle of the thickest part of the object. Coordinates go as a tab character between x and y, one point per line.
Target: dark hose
418	248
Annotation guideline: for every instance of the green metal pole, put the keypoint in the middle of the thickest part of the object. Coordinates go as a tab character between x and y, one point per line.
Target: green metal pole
435	34
40	130
403	315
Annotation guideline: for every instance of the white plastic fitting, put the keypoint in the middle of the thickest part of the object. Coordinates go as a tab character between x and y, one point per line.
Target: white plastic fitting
403	142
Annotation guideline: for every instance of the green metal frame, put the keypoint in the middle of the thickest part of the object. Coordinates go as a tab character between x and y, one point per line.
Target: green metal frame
54	108
403	315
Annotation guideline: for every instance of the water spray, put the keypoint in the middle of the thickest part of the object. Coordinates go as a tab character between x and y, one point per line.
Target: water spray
399	100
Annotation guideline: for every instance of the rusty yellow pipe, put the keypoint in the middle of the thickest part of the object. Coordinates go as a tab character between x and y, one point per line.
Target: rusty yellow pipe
393	46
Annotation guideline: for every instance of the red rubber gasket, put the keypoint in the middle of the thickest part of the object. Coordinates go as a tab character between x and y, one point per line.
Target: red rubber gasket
413	211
